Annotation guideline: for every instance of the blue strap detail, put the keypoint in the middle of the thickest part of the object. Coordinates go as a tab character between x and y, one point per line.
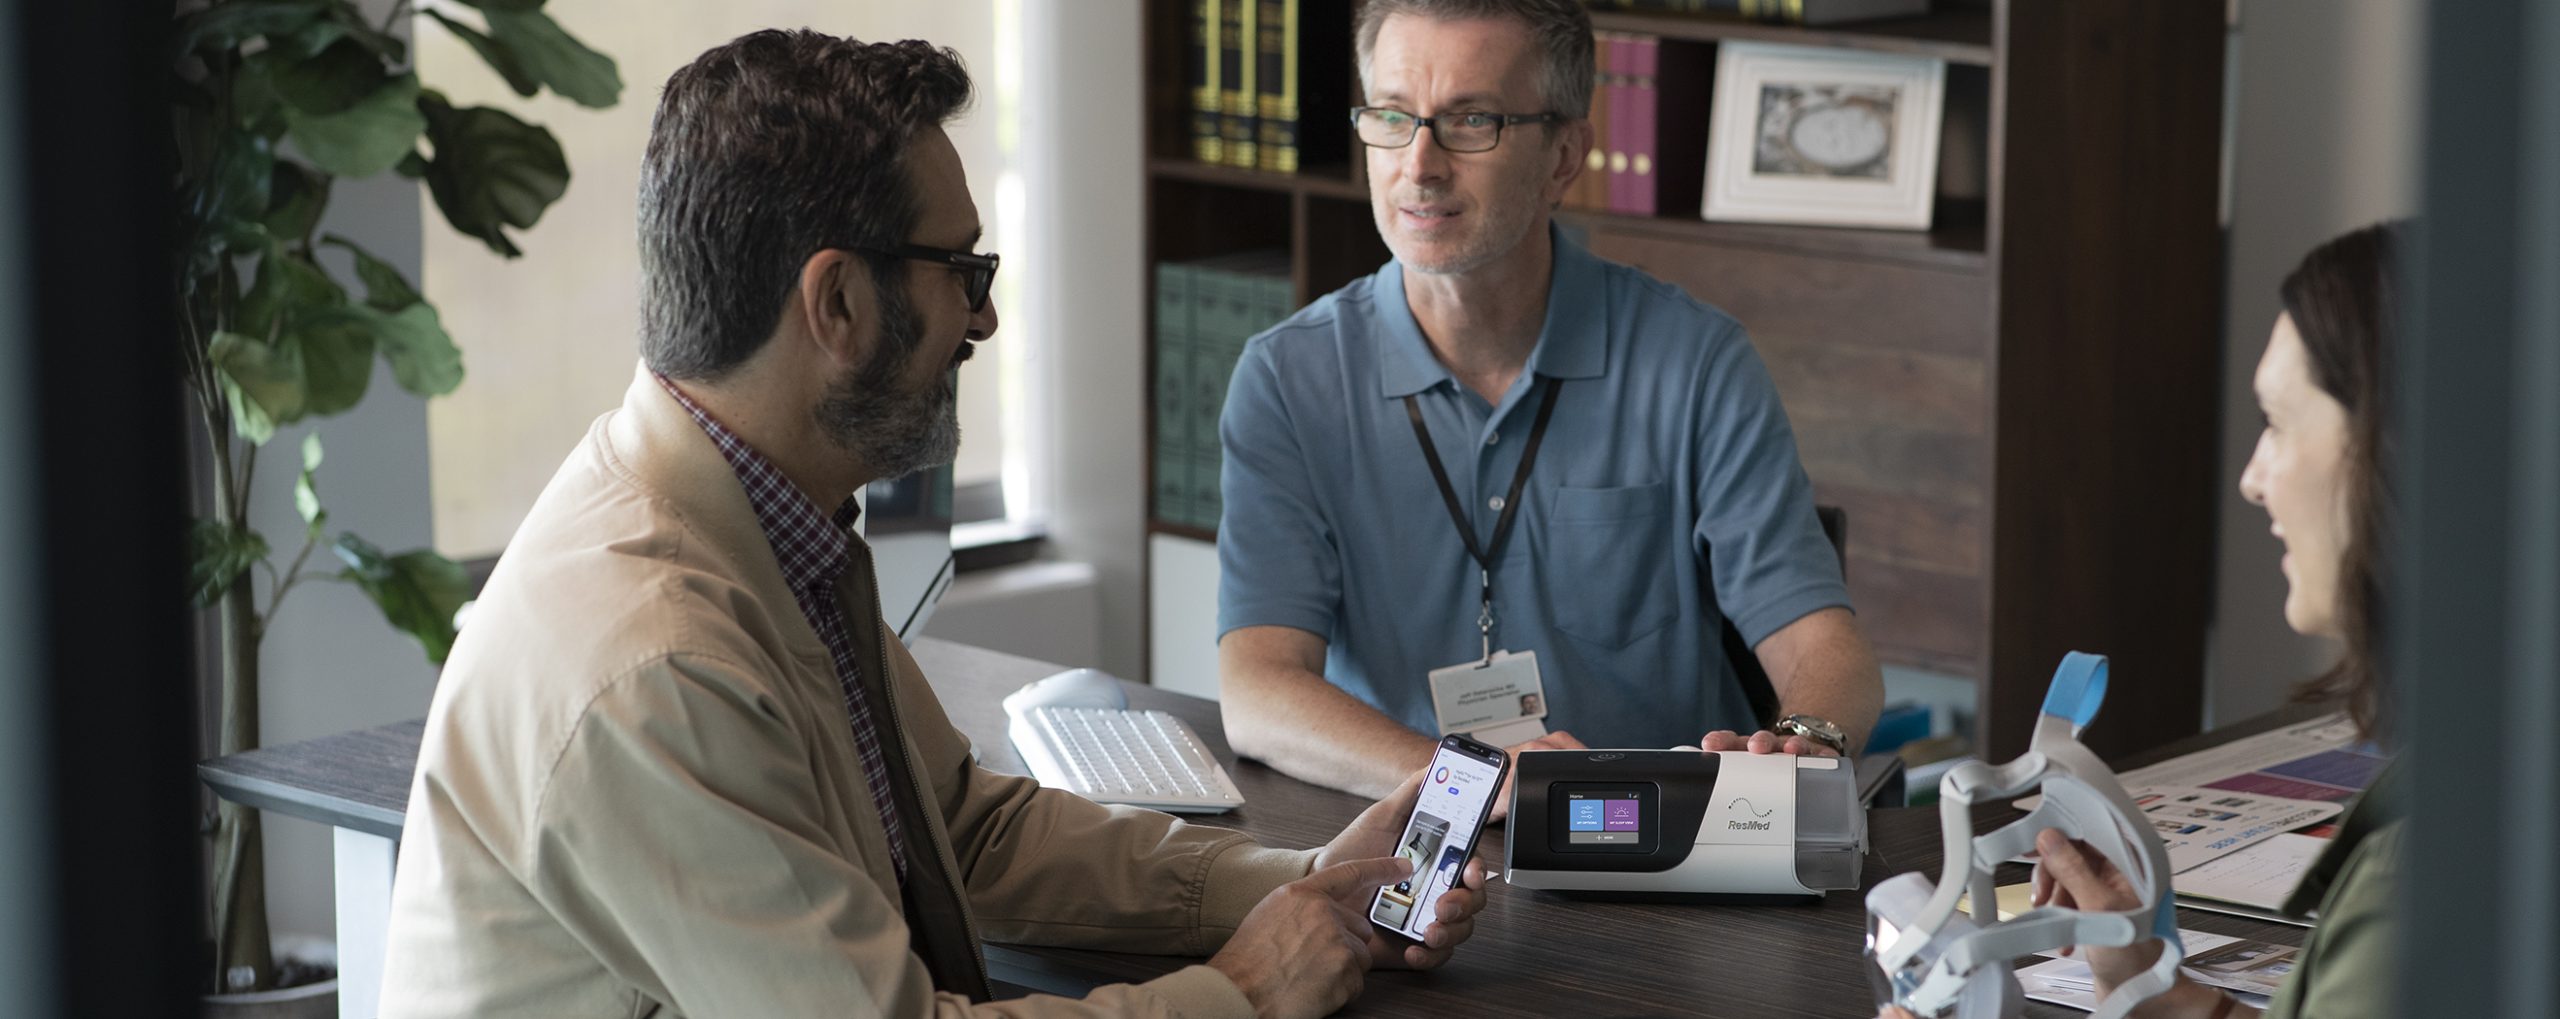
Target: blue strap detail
2164	918
2079	686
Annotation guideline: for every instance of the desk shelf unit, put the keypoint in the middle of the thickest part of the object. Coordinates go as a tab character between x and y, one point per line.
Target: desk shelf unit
2018	408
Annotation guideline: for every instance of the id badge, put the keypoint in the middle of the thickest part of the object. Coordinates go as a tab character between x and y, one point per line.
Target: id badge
1491	700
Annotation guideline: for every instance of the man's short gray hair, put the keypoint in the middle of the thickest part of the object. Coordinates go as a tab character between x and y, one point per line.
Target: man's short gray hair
1562	29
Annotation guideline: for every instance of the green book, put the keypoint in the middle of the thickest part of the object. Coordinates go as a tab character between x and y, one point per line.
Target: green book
1172	381
1204	393
1231	302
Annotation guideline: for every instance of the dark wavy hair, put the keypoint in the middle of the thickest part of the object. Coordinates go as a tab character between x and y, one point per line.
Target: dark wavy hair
764	151
2345	301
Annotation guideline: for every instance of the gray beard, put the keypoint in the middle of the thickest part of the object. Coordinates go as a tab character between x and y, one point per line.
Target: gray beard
894	431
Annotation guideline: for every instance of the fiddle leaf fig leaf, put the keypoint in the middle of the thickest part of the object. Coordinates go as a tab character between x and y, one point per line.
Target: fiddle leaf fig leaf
254	102
418	592
226	26
551	55
225	206
365	138
287	286
296	195
331	81
385	289
337	346
492	171
349	21
218	554
309	40
498	55
264	383
306	488
423	358
506	5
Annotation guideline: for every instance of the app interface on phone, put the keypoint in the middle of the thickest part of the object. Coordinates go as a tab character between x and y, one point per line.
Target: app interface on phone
1600	817
1455	794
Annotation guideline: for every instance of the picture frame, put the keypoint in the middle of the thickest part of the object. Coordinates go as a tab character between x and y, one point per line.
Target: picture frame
1822	137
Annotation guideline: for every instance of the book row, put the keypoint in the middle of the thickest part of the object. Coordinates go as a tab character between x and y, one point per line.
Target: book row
1270	83
1205	311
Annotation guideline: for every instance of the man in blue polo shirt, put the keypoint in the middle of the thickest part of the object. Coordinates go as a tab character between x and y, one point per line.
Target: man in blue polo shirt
1614	450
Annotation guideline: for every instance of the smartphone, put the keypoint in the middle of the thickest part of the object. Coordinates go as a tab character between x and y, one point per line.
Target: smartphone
1448	819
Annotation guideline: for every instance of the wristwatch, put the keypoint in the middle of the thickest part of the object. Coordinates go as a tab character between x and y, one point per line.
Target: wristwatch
1819	730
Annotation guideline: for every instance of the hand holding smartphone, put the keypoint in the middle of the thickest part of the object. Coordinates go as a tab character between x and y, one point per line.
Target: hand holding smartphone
1448	819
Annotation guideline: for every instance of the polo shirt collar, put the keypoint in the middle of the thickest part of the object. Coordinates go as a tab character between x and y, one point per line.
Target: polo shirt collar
1572	344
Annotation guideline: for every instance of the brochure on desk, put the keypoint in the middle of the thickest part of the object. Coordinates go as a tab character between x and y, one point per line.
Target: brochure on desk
2252	862
2252	970
2202	824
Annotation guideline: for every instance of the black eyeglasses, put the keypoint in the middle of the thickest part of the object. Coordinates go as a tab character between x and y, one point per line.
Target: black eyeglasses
1381	127
978	272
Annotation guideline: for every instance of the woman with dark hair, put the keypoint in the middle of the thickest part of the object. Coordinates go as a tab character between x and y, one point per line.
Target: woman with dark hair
2320	470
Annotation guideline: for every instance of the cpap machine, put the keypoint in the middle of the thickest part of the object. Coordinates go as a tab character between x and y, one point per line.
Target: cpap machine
1680	823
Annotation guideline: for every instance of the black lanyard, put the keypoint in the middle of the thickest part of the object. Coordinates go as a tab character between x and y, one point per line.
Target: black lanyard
1486	555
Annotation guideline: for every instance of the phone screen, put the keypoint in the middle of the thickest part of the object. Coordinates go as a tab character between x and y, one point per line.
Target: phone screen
1457	792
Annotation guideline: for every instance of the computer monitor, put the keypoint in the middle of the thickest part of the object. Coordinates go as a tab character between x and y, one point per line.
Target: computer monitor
907	522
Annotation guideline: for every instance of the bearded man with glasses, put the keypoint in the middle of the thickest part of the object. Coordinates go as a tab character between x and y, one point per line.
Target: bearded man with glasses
679	765
1502	470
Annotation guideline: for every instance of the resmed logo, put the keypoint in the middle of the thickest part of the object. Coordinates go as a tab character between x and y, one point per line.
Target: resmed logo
1746	804
1746	825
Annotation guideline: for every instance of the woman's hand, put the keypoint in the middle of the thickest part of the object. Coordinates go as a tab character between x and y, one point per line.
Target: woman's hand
2072	875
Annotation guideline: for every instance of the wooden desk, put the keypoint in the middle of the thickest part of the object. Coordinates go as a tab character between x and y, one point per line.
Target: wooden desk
1534	953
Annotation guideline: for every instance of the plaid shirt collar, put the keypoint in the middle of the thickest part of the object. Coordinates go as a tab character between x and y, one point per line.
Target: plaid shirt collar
814	548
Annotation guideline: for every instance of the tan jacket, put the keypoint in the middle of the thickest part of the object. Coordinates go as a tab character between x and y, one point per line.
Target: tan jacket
638	794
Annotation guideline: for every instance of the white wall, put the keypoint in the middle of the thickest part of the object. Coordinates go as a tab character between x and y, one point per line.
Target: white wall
1082	64
2324	141
551	338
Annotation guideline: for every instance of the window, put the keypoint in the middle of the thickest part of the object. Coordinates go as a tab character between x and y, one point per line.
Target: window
549	340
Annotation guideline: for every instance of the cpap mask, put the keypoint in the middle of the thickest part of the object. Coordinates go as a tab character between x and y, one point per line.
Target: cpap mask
1937	962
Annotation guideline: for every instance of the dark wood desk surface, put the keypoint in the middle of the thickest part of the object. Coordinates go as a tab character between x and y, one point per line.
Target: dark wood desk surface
1534	953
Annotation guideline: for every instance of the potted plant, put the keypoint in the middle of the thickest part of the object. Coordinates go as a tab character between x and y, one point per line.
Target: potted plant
275	100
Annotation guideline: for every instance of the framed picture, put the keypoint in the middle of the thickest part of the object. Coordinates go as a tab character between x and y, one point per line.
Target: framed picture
1823	137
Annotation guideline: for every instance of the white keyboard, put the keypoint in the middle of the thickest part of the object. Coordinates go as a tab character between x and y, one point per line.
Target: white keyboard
1117	755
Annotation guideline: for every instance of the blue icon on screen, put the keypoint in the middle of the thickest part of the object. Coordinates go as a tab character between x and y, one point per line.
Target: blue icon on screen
1584	816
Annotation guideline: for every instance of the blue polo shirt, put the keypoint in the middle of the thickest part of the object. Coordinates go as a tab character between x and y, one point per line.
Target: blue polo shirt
1666	496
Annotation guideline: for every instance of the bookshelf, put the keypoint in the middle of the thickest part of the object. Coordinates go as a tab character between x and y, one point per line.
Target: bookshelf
2017	408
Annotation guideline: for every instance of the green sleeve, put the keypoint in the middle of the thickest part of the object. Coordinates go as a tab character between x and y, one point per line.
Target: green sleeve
2345	970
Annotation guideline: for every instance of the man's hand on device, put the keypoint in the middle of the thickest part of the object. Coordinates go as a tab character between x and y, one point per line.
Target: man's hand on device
1374	834
1765	742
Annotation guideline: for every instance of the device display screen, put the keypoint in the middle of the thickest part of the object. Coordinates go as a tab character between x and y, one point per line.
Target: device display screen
1601	817
1604	817
1447	819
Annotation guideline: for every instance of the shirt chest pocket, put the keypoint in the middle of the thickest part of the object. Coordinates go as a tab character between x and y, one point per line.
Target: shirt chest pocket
1609	568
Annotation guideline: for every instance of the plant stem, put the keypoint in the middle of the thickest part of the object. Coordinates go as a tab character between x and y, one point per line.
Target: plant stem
292	575
243	953
248	461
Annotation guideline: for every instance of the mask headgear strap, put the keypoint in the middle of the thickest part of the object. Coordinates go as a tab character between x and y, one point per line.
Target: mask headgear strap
1936	962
